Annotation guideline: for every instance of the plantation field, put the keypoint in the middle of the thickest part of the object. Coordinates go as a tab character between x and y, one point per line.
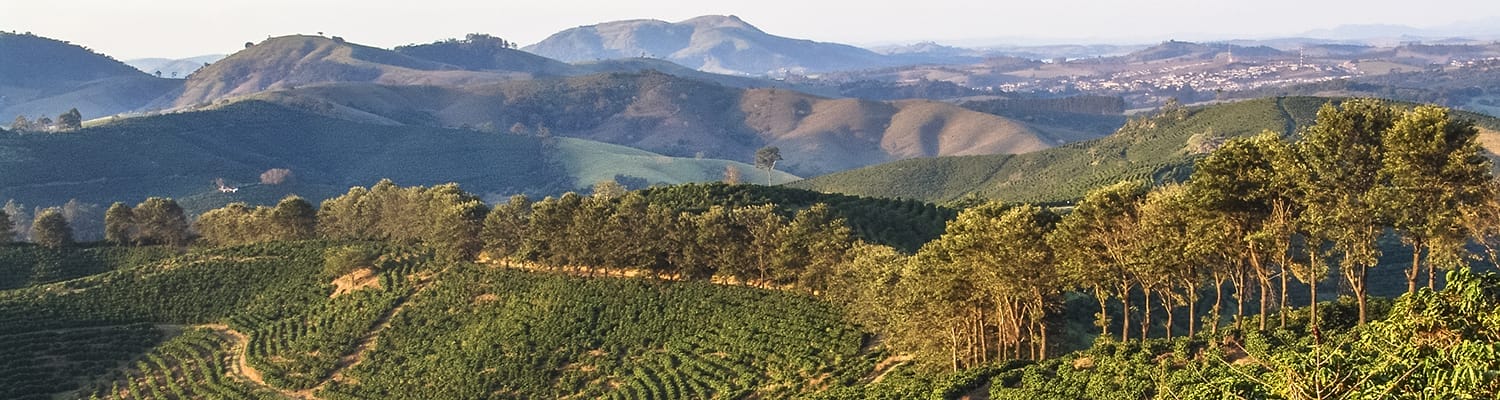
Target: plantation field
271	320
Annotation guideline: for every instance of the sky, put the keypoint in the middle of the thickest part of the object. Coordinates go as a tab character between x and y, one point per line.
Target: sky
127	29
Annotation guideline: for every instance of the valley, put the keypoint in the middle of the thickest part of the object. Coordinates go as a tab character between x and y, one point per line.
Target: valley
664	206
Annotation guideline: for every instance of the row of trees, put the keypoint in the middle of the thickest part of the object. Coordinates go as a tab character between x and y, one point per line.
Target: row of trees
748	244
1256	213
67	121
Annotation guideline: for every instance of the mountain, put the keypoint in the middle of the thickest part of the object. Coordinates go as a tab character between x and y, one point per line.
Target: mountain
46	77
181	155
290	61
173	68
720	44
687	118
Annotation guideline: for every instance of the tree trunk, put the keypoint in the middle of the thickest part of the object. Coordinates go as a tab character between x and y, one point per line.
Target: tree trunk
1312	318
1166	305
1125	315
1261	281
1431	278
1218	303
1146	311
1192	311
1281	308
1361	294
1415	269
1103	313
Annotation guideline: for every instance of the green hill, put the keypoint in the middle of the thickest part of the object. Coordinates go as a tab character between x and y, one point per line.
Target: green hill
181	155
683	117
1157	148
264	321
903	224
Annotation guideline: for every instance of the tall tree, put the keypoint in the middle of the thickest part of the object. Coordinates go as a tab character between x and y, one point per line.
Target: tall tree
505	228
51	230
1342	155
1242	182
119	224
1433	167
6	228
160	220
1093	246
766	159
70	120
294	219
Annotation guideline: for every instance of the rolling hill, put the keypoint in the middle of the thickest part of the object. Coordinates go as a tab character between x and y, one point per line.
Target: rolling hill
712	43
685	117
1157	148
46	77
180	155
290	61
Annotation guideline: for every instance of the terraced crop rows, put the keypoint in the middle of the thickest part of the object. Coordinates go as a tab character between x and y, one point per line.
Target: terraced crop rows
193	365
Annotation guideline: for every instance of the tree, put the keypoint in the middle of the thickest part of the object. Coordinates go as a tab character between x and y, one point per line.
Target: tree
731	175
1093	246
85	219
20	219
609	189
275	176
1342	155
294	219
1433	168
505	228
21	124
6	228
70	120
766	158
51	230
160	220
119	224
1243	182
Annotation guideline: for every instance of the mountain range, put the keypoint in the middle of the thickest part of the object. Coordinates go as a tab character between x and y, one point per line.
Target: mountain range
714	43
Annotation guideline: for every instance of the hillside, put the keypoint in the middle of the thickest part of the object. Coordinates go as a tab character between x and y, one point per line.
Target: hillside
290	61
1157	148
264	321
683	117
180	155
46	77
713	43
1151	150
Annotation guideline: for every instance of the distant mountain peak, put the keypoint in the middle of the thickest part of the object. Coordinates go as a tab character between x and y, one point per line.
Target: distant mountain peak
713	43
720	22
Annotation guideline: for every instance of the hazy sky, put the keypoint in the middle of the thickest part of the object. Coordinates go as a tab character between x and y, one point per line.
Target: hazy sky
179	28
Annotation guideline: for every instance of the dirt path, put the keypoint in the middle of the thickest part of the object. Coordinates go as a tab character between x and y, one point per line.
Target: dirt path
368	341
240	348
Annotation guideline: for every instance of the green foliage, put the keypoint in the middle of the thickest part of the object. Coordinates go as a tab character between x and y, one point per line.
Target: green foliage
35	365
25	265
903	224
194	364
235	224
119	224
160	221
442	216
482	332
341	260
7	228
1153	147
51	230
